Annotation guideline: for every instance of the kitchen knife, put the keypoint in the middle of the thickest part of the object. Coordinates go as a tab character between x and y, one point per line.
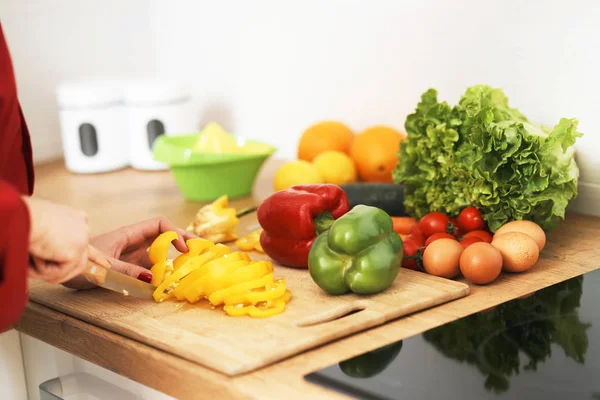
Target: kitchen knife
117	282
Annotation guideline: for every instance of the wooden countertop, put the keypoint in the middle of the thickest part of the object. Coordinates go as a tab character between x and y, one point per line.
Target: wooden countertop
123	197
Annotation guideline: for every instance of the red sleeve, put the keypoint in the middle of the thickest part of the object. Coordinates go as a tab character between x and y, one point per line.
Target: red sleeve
16	179
14	240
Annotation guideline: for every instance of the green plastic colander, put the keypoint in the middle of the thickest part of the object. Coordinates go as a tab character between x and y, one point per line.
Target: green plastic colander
204	177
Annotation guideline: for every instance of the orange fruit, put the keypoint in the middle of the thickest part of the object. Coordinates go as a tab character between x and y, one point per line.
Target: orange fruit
322	137
375	153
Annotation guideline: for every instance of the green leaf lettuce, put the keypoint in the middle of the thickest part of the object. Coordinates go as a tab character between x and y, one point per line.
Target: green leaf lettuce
484	153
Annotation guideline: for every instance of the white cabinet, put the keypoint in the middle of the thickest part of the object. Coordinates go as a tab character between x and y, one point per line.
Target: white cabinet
12	377
43	362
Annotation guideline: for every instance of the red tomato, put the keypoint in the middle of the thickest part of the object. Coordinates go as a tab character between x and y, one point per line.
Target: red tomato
467	241
437	236
483	235
454	228
434	222
417	234
470	219
411	249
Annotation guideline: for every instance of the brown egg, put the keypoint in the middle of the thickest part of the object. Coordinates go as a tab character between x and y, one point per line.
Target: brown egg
519	251
528	227
441	258
481	263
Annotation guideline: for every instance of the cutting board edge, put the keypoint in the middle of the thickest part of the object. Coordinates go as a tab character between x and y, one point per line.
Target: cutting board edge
131	334
418	307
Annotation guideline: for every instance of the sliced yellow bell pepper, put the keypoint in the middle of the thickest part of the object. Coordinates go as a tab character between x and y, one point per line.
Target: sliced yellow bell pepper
216	253
216	221
285	298
168	273
186	282
254	270
216	298
250	241
211	271
212	279
263	310
195	246
217	273
158	272
271	291
164	290
198	245
160	246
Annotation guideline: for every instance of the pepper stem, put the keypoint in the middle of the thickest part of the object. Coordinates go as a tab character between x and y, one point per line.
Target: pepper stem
323	222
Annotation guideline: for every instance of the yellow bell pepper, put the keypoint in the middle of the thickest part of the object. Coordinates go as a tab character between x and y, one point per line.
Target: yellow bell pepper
216	221
211	271
160	246
285	298
216	298
165	289
271	291
212	279
262	310
250	241
195	246
160	271
217	273
188	282
254	270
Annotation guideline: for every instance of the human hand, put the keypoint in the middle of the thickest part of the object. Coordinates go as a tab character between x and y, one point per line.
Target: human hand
126	248
58	241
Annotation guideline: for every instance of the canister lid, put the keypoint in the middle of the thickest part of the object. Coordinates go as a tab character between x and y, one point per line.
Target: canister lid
86	94
150	92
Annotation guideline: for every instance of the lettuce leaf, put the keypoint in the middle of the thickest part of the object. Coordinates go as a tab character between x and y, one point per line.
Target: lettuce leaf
484	153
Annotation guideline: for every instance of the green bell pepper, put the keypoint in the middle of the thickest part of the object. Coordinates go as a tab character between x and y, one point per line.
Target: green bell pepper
360	253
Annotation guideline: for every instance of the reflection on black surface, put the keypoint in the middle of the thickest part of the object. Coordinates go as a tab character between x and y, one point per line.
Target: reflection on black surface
493	341
370	364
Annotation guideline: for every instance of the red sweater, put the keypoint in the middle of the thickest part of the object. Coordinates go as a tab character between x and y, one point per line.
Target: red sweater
16	179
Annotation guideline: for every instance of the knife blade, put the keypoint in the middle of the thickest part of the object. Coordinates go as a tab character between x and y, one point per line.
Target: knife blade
117	282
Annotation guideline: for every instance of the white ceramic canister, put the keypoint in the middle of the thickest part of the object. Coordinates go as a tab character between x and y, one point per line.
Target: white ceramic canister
588	191
93	126
155	108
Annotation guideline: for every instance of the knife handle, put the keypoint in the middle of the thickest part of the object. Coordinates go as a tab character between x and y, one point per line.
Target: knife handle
94	273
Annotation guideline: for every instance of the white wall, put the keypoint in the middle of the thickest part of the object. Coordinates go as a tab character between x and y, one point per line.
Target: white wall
71	39
272	67
268	68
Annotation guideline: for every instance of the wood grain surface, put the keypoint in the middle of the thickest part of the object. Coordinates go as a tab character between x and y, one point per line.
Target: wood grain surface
127	196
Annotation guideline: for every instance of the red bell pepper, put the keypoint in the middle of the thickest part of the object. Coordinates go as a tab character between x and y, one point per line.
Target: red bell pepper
292	218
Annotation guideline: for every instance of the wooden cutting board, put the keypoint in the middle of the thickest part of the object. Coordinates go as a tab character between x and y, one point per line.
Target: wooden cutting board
235	345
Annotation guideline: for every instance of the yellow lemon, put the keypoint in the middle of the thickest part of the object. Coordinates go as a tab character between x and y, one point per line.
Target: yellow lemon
336	167
296	173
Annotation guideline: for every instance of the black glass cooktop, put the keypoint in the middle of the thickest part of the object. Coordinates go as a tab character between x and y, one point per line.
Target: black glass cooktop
544	346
